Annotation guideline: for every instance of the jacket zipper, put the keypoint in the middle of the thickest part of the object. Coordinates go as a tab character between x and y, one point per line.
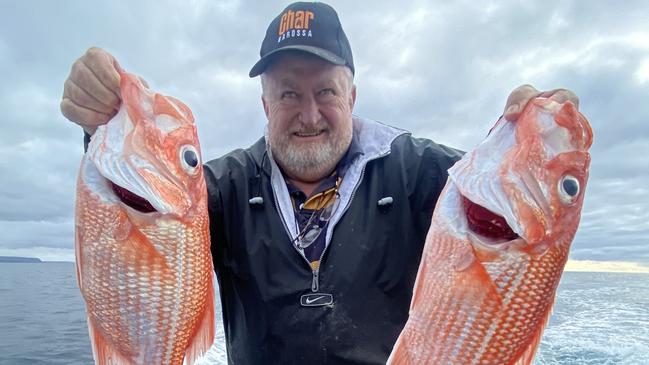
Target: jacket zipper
315	284
315	281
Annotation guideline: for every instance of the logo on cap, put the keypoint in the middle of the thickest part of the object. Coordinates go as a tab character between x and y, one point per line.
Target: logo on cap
295	24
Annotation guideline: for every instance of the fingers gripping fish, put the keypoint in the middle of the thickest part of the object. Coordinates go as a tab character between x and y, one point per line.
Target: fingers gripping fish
142	241
498	242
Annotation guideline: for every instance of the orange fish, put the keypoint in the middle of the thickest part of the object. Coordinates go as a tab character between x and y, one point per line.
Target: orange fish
498	242
142	239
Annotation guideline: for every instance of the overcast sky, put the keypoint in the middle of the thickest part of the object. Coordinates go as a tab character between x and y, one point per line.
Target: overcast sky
441	69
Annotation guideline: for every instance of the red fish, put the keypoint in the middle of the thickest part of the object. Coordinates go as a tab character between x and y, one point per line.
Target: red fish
498	242
142	240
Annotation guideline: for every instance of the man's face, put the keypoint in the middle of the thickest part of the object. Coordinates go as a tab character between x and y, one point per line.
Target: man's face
308	103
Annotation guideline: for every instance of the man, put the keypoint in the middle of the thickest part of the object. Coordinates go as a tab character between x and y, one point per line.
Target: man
319	226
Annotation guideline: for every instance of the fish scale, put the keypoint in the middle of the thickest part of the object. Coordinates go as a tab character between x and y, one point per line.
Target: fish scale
486	299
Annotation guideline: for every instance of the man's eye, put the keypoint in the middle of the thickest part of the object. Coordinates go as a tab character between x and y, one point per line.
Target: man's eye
288	95
327	92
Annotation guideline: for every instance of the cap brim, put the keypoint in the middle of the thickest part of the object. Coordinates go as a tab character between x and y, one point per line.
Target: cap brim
261	65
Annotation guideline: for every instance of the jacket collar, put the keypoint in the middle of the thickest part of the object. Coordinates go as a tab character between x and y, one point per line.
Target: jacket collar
374	141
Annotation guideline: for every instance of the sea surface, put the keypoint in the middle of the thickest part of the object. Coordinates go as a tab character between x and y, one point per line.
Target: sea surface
599	318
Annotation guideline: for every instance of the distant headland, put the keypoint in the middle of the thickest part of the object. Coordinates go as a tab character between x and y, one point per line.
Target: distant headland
18	259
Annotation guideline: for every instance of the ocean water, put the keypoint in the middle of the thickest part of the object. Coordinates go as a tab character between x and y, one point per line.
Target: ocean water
43	320
599	318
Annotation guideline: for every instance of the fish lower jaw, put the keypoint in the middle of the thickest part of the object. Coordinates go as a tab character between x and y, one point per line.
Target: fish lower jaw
132	200
489	241
495	244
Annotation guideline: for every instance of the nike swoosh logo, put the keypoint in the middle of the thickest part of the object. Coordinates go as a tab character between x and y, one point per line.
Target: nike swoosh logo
309	301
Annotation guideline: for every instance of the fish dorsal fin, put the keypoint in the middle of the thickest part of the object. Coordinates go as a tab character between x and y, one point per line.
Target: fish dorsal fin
204	335
527	356
102	351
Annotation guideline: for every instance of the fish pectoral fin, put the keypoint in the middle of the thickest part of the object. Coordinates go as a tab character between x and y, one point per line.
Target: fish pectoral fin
204	336
527	355
102	351
474	279
484	254
78	259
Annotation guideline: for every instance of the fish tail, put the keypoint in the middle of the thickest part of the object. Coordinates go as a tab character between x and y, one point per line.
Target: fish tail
204	335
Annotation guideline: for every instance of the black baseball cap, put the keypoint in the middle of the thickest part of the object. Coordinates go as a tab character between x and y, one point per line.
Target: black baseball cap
311	27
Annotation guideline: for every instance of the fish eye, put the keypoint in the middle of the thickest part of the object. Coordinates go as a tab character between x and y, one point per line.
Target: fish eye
568	189
189	158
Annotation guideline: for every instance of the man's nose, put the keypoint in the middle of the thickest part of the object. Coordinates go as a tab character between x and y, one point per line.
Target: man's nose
310	112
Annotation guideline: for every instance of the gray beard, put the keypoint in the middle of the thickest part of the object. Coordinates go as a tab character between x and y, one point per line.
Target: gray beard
311	160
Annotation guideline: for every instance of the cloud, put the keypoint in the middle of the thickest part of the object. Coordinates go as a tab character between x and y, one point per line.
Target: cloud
442	71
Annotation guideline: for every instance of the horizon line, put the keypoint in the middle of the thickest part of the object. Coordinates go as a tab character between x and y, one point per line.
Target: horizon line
611	266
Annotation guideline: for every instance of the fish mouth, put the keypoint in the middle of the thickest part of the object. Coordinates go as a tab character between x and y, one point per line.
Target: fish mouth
131	199
490	227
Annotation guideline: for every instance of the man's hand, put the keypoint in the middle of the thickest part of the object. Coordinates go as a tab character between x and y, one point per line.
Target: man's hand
91	92
521	95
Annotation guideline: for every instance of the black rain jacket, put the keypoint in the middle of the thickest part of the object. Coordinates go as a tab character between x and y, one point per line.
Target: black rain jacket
369	265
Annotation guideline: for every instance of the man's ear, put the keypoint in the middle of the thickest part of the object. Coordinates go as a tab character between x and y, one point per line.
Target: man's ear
263	102
352	99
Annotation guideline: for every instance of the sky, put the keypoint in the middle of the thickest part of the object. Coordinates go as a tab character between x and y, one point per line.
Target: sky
440	69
